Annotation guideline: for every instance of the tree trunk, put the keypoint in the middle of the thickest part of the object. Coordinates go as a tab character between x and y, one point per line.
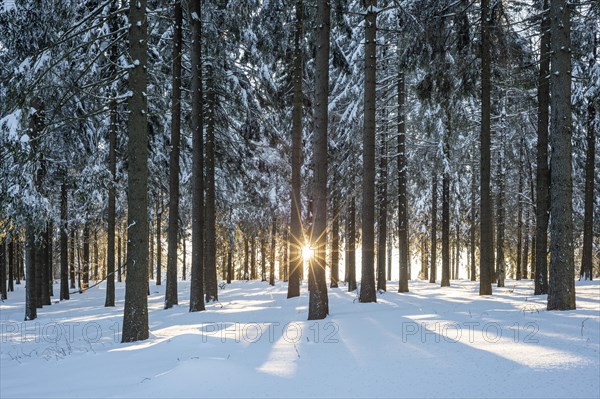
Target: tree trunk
520	215
119	252
3	292
30	294
230	259
11	262
253	258
561	286
486	255
86	256
173	227
296	243
210	247
318	305
367	284
588	218
382	234
445	282
263	259
135	319
542	197
72	259
184	262
64	243
246	258
351	244
335	239
473	274
272	268
286	251
197	277
500	266
434	195
96	265
402	189
159	209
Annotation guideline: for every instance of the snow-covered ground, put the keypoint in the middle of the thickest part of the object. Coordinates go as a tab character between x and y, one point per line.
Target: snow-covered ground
431	342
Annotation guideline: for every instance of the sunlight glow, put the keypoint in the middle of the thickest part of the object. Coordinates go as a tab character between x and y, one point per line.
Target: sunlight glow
307	253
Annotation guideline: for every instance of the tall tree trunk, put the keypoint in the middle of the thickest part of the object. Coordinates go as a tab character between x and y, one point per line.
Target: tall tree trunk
39	270
525	256
11	262
173	228
72	259
135	319
159	209
86	256
49	256
263	259
382	233
30	294
286	251
561	286
520	215
351	244
402	189
246	257
542	197
335	237
64	243
3	284
473	274
296	240
486	255
272	266
253	258
210	246
197	277
96	264
367	283
230	245
500	223
184	260
434	196
588	218
445	282
318	305
119	252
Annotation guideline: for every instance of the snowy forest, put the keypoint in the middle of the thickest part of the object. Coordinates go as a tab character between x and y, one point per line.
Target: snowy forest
172	168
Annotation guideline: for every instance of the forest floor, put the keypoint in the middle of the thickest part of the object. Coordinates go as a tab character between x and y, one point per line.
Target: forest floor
432	342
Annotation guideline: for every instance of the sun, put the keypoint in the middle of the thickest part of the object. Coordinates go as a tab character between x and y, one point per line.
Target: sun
307	252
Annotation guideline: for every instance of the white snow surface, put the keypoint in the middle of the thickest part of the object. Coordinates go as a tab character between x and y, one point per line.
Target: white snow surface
431	342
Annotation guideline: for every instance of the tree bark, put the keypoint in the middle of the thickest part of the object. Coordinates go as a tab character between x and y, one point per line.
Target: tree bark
30	294
473	274
86	256
382	233
253	258
64	243
434	195
3	283
367	284
296	236
11	262
197	277
486	255
335	238
588	218
318	305
542	197
210	246
500	265
351	244
159	210
561	285
272	266
445	282
135	319
173	227
519	262
72	259
402	189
